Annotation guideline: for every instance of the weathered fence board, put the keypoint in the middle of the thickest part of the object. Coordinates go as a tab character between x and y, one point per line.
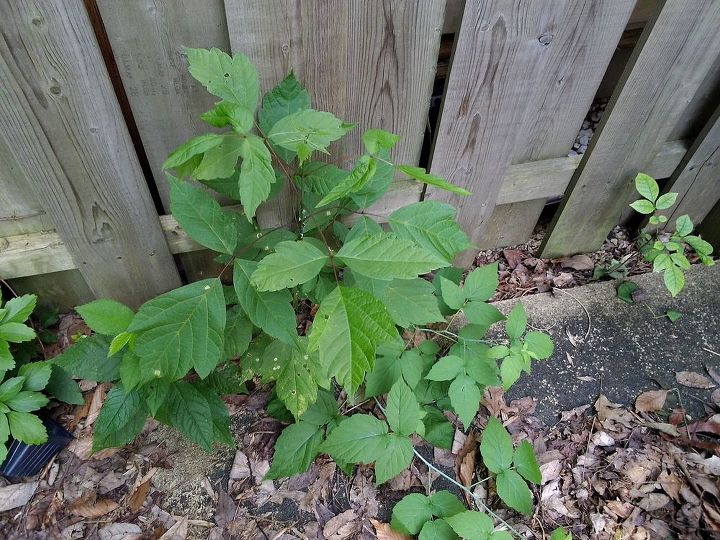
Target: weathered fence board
370	62
581	44
697	178
661	78
61	120
495	62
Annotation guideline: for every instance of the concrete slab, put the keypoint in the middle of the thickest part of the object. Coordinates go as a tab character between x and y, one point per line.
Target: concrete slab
627	350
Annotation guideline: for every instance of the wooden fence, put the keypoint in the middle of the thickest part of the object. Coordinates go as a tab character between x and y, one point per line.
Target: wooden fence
95	93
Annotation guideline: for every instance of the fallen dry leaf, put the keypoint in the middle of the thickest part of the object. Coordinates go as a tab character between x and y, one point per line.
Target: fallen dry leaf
715	397
178	531
577	262
140	491
606	410
342	526
513	257
668	429
653	501
120	531
384	532
16	495
694	380
92	509
651	401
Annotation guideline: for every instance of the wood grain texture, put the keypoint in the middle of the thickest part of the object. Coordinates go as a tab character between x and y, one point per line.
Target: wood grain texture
62	123
677	49
709	229
42	252
697	178
584	39
368	62
501	48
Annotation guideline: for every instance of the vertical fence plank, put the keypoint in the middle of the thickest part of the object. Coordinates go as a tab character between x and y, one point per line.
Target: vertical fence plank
583	42
498	52
62	123
146	38
370	62
697	178
677	49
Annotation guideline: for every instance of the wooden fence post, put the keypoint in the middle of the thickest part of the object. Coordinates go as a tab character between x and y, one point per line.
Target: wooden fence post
61	120
500	49
677	49
366	61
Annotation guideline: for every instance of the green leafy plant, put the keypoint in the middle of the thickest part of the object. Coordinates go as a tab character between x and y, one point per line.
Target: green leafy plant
666	250
368	286
21	390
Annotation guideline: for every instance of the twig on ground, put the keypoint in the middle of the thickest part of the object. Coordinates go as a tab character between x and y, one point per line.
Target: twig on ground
587	313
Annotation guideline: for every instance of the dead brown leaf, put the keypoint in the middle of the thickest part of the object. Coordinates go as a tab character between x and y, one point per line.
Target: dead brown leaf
606	410
513	257
384	532
694	380
577	262
140	491
653	501
671	483
668	429
651	401
178	531
715	397
16	495
342	526
90	507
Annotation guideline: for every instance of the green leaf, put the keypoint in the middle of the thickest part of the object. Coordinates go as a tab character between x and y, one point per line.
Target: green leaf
625	291
118	342
181	329
700	246
674	280
16	332
220	161
432	225
395	459
382	256
560	534
6	359
186	409
411	513
271	311
131	373
256	174
106	317
10	388
511	369
233	79
324	410
683	225
19	308
673	315
286	98
219	414
361	174
238	333
27	401
62	386
121	419
26	427
516	322
482	314
666	201
680	261
88	359
403	412
385	372
36	374
376	140
469	524
411	302
481	283
439	431
293	368
363	227
647	187
4	435
292	264
452	294
306	131
348	327
295	450
465	398
661	262
194	147
513	491
444	504
155	394
526	464
202	218
359	439
643	206
446	369
540	344
496	446
418	173
378	185
226	113
437	530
